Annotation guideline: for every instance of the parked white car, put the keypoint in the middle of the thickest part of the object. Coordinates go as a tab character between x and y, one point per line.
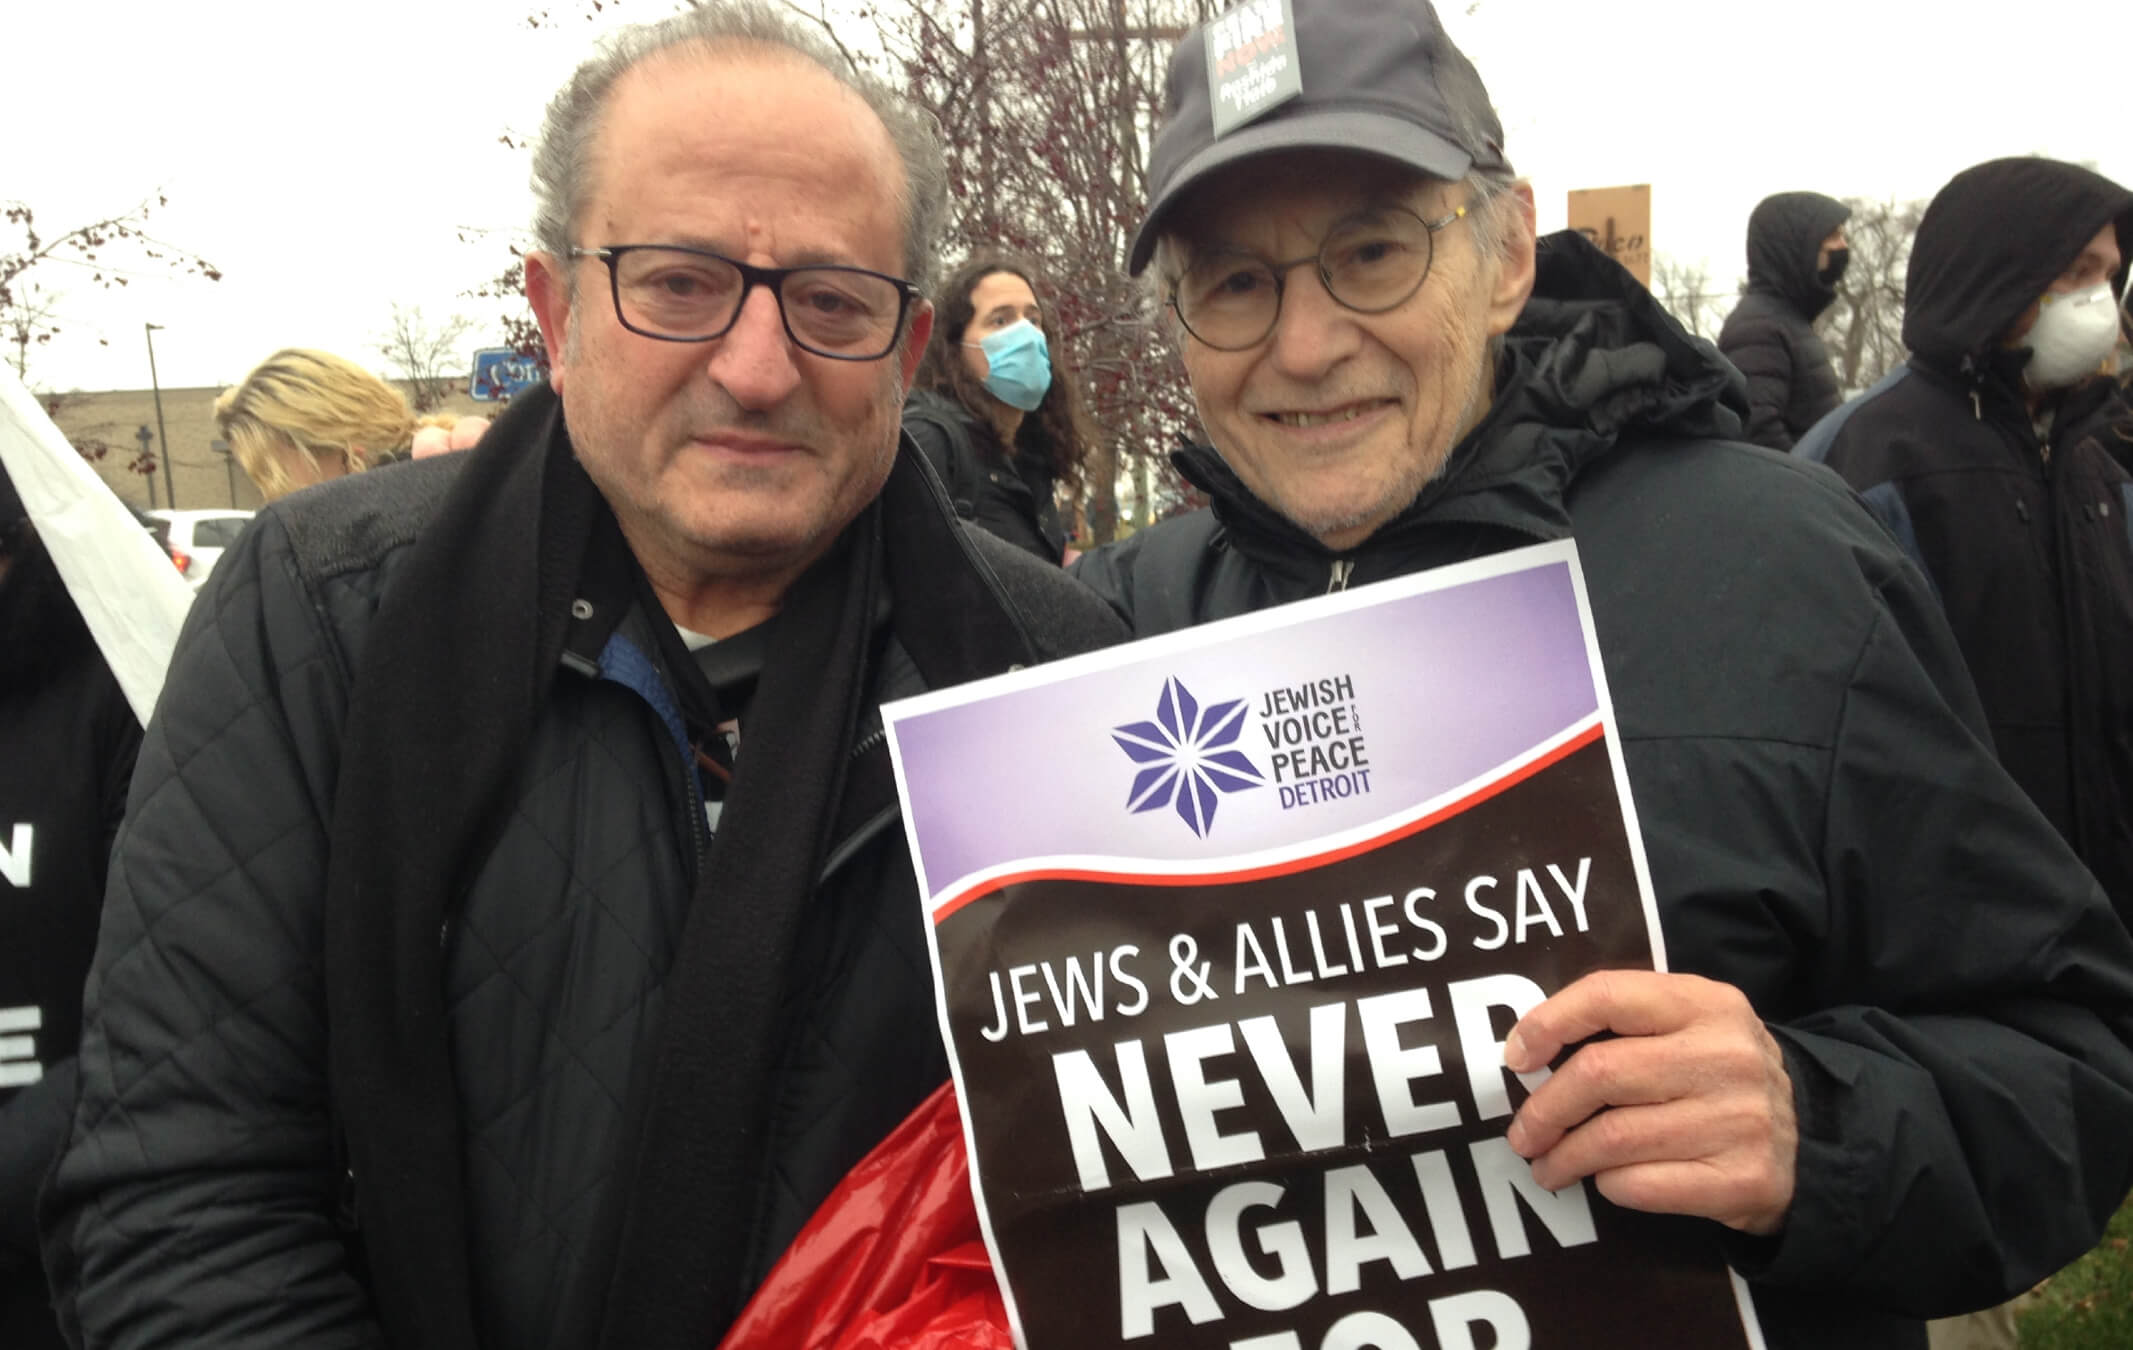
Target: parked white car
197	539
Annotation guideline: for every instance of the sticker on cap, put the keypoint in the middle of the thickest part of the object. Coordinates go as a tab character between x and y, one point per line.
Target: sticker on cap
1252	66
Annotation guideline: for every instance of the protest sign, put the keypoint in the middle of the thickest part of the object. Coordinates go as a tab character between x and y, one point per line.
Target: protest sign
1228	929
1619	221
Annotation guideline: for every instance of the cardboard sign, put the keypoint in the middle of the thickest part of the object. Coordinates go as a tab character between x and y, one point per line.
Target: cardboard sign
1619	220
1252	64
1228	929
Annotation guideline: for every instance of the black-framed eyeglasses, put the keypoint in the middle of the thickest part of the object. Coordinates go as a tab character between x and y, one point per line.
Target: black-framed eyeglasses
680	294
1370	262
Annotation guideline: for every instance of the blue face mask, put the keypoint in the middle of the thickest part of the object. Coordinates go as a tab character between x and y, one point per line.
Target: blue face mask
1018	365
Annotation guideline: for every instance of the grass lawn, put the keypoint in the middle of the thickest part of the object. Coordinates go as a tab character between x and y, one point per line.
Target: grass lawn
2089	1305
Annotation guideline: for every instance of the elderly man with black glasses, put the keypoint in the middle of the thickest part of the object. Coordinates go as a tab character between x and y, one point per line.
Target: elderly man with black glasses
513	938
1891	1070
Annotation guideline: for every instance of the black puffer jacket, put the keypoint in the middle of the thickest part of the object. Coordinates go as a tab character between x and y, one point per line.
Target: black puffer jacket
199	1198
2024	523
2101	412
1825	827
1011	495
67	744
1770	335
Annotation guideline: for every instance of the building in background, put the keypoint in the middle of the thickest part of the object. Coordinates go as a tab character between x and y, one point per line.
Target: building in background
206	476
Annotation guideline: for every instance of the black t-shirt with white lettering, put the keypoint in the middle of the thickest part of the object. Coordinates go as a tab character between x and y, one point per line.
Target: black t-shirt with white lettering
68	739
67	744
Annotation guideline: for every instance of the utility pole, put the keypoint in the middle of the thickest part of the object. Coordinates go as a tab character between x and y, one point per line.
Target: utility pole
229	465
144	435
170	462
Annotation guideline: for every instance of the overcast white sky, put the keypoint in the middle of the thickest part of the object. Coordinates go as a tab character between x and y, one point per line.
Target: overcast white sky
328	157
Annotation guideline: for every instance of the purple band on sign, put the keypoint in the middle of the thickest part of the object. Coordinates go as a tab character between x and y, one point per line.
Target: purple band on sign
1300	730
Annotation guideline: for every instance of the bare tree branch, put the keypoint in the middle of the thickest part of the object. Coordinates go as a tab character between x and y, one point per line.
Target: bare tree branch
1686	291
1864	328
1048	107
426	355
28	310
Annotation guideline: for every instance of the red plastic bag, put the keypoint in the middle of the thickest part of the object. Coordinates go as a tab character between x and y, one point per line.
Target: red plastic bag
893	1260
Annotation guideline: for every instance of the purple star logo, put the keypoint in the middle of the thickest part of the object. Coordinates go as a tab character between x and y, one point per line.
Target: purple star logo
1189	756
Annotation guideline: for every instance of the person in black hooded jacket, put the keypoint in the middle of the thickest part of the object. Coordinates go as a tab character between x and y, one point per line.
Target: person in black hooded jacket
1983	455
1796	257
1890	1071
67	744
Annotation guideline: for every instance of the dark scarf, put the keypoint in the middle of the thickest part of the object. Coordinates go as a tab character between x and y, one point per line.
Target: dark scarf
464	646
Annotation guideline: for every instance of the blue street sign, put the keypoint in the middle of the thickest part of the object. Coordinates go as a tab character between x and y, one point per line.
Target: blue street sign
502	373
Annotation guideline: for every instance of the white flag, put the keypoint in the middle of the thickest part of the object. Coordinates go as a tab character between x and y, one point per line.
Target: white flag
121	580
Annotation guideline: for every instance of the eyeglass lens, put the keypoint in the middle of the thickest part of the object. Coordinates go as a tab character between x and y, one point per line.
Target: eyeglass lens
1369	263
678	294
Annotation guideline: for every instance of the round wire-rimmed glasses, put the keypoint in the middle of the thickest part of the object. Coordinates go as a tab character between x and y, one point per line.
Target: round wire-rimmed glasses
681	294
1369	262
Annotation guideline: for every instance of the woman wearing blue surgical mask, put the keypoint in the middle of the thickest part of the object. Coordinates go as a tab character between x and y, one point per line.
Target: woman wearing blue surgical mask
1001	422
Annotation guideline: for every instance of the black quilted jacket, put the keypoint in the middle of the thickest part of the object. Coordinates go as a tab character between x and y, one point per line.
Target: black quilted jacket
1011	496
198	1200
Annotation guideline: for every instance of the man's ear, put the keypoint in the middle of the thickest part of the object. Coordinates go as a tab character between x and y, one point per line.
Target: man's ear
914	348
548	291
1516	266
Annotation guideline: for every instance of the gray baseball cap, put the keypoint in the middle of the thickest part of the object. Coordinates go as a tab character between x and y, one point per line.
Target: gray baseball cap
1378	76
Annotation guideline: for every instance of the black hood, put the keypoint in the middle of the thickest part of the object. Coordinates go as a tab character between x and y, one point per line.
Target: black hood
1785	233
1593	358
1990	243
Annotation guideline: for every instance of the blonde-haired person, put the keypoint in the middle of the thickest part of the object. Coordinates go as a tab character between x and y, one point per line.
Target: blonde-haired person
303	416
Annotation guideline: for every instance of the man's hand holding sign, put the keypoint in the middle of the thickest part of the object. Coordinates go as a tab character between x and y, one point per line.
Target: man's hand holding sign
1685	1109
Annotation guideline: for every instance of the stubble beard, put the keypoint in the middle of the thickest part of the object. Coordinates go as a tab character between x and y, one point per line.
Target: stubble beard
1406	490
847	495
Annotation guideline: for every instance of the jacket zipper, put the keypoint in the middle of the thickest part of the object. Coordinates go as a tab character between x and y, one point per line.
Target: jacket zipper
844	850
694	806
867	742
1343	568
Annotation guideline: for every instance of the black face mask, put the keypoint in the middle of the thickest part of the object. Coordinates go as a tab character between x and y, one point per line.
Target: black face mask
1839	259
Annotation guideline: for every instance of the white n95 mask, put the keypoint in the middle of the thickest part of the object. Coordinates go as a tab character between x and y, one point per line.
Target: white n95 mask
2071	337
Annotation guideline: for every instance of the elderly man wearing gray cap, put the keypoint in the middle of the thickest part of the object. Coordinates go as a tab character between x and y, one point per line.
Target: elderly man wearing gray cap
1891	1070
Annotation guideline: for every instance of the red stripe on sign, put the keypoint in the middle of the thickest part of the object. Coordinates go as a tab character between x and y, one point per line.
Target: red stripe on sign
1475	798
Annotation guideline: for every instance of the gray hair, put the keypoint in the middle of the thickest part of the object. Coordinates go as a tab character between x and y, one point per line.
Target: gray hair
1493	210
1475	124
562	156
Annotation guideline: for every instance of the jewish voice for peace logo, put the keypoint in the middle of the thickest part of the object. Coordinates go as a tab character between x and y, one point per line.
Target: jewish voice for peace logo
1189	756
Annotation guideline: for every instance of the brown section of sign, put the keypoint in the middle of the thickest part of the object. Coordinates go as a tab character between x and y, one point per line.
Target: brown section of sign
1619	220
1012	959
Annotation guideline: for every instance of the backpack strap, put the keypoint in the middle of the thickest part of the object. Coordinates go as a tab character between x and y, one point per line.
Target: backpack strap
942	431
